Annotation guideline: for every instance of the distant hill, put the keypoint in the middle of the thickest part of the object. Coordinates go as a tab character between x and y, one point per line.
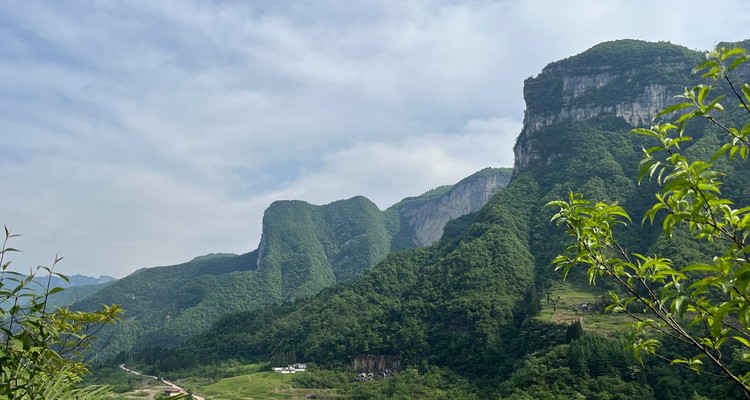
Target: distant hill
77	280
73	280
76	287
76	293
304	248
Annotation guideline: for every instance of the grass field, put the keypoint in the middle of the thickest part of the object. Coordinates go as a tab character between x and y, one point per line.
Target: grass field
261	385
563	295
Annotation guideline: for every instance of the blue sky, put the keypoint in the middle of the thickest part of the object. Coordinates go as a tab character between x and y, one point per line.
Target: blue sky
145	133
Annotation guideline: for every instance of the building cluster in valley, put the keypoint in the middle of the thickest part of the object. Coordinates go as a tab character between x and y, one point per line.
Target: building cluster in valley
291	369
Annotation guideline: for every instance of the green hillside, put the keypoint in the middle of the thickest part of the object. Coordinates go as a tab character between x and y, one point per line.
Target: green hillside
311	247
451	303
304	249
469	303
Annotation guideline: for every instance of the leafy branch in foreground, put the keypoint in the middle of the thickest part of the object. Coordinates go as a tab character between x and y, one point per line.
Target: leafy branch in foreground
41	350
704	305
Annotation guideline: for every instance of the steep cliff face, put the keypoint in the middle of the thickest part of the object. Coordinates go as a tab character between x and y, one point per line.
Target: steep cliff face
628	79
636	111
427	219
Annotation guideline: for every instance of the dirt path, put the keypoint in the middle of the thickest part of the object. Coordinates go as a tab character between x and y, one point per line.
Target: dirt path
164	381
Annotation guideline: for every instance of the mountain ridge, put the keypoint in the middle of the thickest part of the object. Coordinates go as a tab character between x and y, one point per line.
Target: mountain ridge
304	248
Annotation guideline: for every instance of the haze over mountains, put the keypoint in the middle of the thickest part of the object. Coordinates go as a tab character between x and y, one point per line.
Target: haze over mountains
76	280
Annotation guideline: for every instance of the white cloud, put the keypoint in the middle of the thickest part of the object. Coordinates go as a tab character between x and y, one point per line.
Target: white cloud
386	172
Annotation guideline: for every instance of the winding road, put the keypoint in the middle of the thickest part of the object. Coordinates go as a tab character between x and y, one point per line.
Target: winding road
166	382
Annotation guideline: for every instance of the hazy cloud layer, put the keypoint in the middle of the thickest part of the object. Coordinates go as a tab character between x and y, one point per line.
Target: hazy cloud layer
145	133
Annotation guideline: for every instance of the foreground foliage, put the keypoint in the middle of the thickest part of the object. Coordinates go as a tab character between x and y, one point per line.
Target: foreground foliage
703	304
41	349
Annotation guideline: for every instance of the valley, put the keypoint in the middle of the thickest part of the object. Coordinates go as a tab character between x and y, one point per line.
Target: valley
459	284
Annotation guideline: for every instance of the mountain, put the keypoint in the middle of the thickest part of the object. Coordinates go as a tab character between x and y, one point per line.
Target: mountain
468	302
77	280
304	248
72	280
77	287
312	247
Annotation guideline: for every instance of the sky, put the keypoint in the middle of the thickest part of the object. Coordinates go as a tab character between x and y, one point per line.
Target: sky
144	133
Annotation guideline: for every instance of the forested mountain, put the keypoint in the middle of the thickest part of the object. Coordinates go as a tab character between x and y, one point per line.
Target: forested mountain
304	249
467	302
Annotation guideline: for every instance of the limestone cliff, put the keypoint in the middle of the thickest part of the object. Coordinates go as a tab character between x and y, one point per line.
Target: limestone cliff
628	79
427	219
636	111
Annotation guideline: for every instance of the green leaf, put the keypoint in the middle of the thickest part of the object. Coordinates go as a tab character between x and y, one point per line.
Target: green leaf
718	318
742	340
736	50
671	109
745	130
713	73
643	131
736	62
556	203
650	214
679	306
721	151
715	104
733	152
704	65
700	267
668	224
56	290
702	92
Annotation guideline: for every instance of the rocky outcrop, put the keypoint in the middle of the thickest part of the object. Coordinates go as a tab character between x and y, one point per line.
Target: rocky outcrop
377	363
641	110
628	79
261	249
636	111
427	219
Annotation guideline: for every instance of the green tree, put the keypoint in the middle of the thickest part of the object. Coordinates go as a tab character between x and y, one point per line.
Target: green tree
41	350
574	331
706	305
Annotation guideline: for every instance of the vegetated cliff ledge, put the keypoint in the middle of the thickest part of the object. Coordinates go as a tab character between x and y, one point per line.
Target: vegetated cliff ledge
630	79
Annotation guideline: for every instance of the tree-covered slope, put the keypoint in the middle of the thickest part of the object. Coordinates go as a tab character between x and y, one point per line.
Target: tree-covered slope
310	247
450	303
166	305
304	249
463	302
